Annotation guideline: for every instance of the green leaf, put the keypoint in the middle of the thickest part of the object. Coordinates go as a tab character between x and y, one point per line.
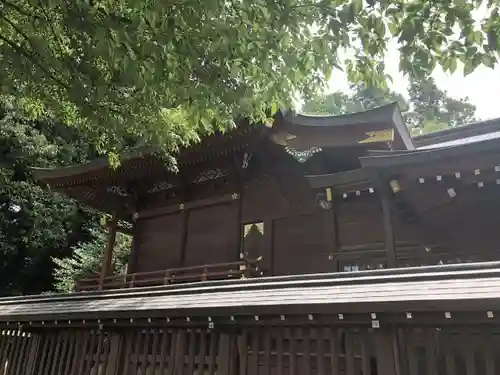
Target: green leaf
453	64
446	64
488	61
393	28
357	6
274	108
468	67
328	72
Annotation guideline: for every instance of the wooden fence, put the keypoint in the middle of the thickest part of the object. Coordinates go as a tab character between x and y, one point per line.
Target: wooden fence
254	349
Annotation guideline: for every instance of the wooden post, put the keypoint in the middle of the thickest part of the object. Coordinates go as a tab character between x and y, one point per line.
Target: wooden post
390	242
332	228
107	258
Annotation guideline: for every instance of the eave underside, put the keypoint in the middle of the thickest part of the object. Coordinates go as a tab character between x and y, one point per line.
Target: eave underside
102	187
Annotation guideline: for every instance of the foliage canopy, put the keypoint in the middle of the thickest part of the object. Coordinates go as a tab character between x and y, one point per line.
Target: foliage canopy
167	71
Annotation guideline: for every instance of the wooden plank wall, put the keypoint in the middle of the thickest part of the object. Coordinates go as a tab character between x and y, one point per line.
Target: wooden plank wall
265	348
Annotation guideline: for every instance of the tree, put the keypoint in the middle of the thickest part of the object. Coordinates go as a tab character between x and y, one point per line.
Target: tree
167	71
35	224
360	99
434	109
85	261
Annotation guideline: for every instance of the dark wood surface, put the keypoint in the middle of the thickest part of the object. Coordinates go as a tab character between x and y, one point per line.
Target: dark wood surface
420	289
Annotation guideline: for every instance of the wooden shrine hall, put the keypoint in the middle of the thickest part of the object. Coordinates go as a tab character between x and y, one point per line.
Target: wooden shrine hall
319	245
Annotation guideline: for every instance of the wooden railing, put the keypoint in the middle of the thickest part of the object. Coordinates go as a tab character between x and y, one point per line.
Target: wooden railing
222	271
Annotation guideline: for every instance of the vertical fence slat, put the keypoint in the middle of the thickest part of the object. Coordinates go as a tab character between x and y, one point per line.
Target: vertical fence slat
430	351
213	352
89	354
50	352
292	351
33	354
386	362
491	352
6	351
129	345
173	349
20	363
145	351
449	353
278	334
154	350
468	348
163	350
180	352
83	352
16	352
203	351
349	353
191	351
97	358
333	349
254	365
365	355
65	355
243	351
411	350
233	352
71	366
320	365
56	354
107	344
267	352
137	350
306	351
47	339
3	346
11	356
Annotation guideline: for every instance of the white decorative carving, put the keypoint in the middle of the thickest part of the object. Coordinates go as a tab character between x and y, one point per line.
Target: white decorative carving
211	174
246	159
303	155
160	186
118	190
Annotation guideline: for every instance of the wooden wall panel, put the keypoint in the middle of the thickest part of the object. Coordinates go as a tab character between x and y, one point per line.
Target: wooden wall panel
213	235
300	245
360	221
159	239
263	200
468	225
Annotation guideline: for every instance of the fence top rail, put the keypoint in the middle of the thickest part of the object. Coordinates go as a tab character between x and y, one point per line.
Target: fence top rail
166	272
409	274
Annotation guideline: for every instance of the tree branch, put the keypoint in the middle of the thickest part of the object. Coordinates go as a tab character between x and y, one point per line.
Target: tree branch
32	59
18	9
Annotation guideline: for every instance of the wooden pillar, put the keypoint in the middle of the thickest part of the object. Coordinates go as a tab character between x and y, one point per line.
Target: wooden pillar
387	217
107	258
234	256
184	236
132	259
268	261
331	232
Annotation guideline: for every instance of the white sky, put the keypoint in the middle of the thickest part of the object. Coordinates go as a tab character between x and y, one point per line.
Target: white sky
481	86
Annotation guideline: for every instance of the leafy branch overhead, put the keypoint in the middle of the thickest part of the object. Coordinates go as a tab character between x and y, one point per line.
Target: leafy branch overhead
167	71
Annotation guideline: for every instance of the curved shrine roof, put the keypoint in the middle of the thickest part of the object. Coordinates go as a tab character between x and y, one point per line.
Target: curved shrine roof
458	148
378	125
